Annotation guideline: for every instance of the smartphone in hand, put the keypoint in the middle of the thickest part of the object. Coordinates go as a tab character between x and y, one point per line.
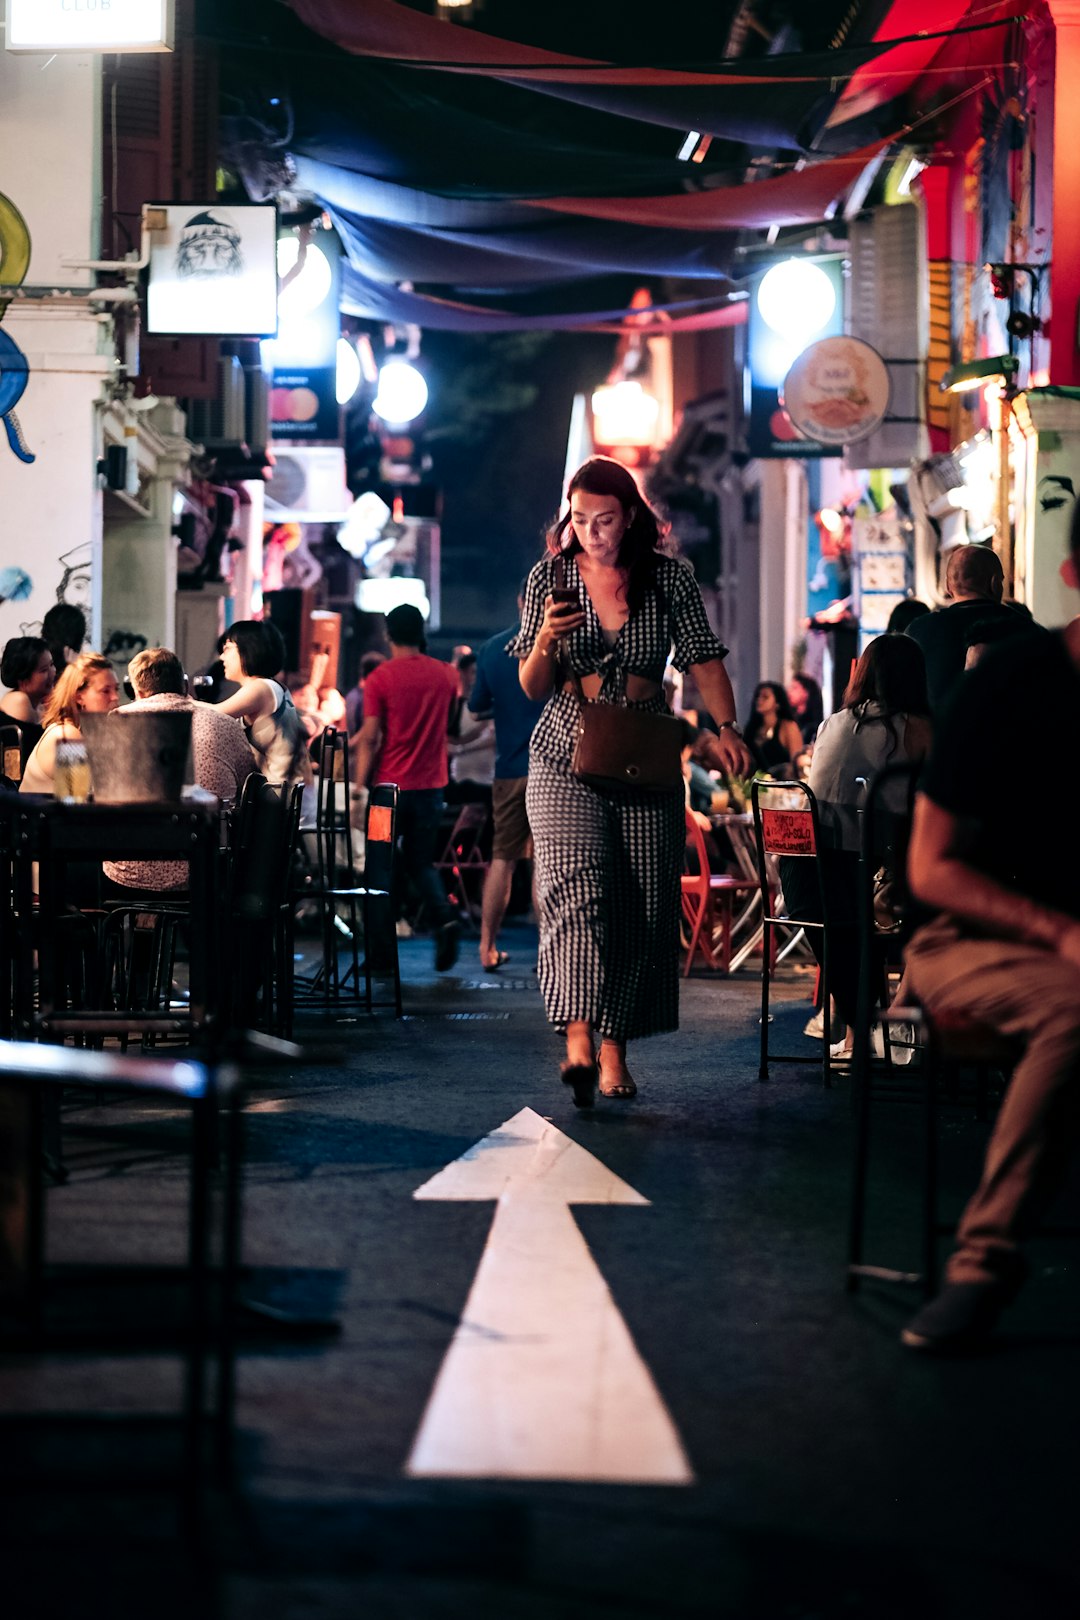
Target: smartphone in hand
565	596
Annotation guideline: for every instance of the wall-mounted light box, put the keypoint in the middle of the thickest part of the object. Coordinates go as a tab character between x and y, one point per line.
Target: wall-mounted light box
90	25
213	271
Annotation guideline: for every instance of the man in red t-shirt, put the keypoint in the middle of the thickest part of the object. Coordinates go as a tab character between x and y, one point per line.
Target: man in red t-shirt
403	739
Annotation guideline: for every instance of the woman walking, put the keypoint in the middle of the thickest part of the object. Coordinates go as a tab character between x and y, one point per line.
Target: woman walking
607	860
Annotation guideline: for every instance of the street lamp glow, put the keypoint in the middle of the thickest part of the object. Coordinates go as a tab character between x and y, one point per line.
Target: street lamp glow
402	394
624	414
309	286
796	299
348	371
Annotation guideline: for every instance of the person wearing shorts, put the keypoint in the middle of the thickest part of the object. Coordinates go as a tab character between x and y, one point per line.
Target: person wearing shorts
497	691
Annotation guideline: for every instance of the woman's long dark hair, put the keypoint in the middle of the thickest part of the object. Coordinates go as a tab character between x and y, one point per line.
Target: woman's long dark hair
784	711
814	713
638	549
891	672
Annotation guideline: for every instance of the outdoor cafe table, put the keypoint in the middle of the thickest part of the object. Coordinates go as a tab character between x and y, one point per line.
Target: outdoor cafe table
41	834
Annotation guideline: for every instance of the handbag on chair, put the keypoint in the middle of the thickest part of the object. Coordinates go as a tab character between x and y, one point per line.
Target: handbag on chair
621	747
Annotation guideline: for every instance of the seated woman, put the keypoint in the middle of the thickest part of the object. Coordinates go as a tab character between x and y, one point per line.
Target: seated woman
804	695
772	732
254	656
27	668
87	686
884	721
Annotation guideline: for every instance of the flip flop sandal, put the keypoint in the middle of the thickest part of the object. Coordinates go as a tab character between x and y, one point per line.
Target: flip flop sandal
501	958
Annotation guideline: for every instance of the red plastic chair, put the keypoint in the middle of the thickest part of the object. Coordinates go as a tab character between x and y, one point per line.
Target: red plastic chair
708	903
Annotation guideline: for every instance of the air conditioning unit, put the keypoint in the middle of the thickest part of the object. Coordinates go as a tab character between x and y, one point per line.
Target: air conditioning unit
257	412
221	421
308	485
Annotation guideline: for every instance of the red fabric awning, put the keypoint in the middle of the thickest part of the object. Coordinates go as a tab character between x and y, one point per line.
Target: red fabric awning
890	74
801	197
393	32
386	29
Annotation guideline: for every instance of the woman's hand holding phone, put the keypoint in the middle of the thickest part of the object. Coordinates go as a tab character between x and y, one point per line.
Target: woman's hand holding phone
563	612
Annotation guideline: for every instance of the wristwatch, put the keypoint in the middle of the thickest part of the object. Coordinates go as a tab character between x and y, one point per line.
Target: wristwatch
730	725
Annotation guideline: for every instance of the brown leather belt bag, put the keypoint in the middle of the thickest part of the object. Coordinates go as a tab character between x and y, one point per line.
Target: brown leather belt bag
625	748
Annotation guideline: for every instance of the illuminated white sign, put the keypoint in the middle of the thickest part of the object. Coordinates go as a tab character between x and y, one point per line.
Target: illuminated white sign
213	271
90	25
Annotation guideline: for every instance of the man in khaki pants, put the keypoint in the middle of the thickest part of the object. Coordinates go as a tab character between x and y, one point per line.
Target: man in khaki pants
1000	863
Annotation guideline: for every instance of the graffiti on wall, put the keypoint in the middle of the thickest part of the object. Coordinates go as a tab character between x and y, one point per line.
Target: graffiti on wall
14	370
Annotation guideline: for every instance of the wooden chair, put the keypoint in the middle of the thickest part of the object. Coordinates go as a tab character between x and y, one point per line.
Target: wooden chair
708	905
789	827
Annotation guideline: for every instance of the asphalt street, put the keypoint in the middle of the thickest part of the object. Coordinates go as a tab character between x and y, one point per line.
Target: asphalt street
829	1472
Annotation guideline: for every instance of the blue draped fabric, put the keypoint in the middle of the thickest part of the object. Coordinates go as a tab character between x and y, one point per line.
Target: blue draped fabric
364	296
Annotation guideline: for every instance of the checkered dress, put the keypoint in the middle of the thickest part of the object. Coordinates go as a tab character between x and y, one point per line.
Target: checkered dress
608	862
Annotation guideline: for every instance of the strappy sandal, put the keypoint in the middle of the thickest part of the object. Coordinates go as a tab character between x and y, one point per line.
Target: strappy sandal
618	1093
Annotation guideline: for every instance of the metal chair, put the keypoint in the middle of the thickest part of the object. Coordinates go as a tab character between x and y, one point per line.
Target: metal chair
259	906
55	835
708	904
340	895
791	829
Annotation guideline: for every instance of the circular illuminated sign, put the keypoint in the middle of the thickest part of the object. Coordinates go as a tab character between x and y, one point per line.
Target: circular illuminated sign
402	394
306	291
837	391
796	299
348	371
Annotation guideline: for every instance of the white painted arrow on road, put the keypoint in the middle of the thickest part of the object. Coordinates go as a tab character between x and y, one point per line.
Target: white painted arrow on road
542	1379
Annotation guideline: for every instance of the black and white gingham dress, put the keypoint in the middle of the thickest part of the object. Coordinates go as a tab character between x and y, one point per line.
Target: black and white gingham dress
608	862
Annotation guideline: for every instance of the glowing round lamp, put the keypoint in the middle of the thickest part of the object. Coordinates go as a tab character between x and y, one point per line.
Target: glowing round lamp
796	299
348	371
624	414
309	286
402	394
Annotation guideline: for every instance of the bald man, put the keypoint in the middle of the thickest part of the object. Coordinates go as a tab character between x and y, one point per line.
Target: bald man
974	584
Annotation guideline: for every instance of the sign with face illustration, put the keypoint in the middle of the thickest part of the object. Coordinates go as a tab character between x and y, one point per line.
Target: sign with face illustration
213	271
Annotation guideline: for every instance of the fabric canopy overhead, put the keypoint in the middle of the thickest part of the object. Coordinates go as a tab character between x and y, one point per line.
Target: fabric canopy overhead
363	296
453	135
898	68
724	101
387	29
800	198
404	235
466	260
